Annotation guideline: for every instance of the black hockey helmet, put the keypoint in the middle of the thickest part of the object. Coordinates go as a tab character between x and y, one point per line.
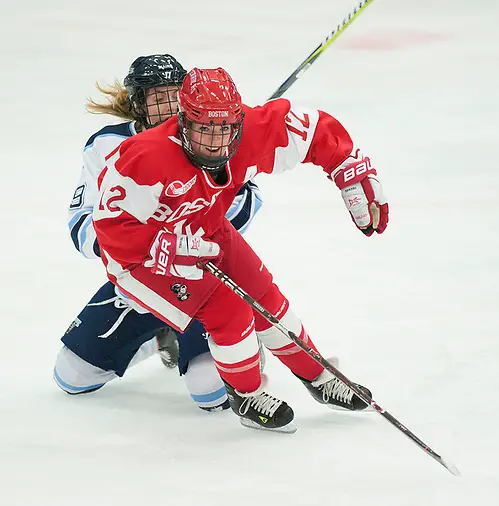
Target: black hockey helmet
153	71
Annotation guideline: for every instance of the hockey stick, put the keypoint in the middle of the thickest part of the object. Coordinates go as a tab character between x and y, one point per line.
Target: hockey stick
305	64
210	267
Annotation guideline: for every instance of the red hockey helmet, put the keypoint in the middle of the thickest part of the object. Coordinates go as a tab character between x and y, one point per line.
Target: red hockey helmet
210	117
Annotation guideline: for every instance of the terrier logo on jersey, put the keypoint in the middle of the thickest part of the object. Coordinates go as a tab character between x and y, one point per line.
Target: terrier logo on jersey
177	188
181	291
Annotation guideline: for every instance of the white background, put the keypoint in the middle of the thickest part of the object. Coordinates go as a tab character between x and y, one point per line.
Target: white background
413	314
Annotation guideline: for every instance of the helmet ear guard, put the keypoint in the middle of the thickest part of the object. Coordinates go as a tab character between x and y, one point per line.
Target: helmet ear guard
208	100
153	71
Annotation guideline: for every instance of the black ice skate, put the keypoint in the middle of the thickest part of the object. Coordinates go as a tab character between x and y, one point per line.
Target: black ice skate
168	347
259	410
329	390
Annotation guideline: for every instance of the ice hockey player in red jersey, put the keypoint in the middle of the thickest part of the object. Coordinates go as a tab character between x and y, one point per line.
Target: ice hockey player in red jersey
112	333
163	199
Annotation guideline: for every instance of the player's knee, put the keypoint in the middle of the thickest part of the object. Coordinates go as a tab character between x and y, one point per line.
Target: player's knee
75	376
231	317
273	301
205	385
268	334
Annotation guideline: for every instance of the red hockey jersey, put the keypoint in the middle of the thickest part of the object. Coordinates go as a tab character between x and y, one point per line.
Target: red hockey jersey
149	183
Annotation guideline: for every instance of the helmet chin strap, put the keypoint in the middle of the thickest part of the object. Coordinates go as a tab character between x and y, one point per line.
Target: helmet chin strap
216	170
200	163
219	175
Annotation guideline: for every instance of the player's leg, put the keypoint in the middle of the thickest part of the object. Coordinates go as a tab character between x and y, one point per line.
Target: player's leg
321	384
198	369
256	280
233	341
104	340
235	350
75	375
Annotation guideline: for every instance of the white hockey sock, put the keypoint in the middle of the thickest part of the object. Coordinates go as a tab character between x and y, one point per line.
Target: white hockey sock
204	383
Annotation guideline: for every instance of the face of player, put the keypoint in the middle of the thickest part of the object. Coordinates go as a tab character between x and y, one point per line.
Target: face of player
161	103
210	141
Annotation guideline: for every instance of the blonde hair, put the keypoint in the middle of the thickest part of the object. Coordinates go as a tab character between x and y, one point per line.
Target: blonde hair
118	101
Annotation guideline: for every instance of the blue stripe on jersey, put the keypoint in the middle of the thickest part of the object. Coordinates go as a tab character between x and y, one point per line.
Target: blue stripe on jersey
76	216
251	186
75	229
124	130
82	234
240	198
96	248
246	210
257	204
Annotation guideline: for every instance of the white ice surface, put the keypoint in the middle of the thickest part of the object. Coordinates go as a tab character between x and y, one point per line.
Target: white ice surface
413	314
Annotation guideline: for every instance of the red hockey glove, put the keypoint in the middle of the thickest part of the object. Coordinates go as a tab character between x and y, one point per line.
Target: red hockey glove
362	194
178	255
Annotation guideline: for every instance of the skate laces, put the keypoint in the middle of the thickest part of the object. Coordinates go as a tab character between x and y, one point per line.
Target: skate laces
337	390
264	403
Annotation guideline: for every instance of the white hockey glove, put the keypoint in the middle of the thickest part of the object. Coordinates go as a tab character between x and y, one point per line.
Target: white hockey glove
362	194
179	255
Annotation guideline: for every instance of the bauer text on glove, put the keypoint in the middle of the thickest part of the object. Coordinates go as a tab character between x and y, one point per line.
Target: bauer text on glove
179	255
362	194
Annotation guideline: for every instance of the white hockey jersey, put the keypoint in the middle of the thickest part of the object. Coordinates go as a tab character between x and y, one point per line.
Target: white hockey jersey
243	209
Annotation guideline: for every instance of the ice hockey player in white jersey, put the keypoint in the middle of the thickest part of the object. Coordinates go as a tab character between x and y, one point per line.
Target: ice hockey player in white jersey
112	332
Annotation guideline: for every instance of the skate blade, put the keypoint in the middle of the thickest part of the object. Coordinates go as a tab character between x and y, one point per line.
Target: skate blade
168	361
340	409
290	428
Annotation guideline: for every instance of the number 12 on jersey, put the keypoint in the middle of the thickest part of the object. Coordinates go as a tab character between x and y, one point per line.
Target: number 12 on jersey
298	125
